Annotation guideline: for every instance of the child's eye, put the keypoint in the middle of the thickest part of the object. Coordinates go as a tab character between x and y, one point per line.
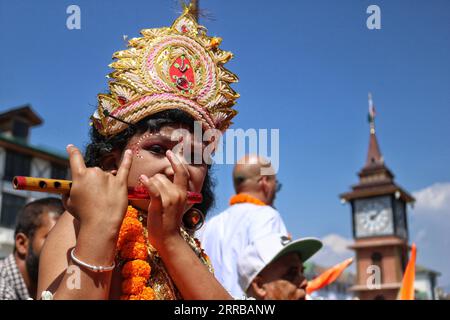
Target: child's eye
157	149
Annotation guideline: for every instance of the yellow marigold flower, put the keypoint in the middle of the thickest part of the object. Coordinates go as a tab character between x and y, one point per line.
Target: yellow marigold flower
133	285
131	226
131	213
147	294
136	268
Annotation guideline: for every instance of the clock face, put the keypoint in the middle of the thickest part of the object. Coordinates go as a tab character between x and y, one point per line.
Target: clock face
373	217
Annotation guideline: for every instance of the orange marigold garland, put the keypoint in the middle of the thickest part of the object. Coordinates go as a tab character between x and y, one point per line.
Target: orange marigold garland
131	230
147	294
133	251
136	268
131	246
134	285
131	213
245	198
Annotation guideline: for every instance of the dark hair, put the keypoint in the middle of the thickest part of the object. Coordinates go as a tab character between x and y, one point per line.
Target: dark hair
29	218
101	145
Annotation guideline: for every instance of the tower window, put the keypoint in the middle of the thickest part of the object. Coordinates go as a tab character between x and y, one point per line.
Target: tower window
11	205
17	164
58	172
376	257
20	129
377	261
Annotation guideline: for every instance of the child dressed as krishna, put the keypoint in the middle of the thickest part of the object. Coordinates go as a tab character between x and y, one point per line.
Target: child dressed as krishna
167	80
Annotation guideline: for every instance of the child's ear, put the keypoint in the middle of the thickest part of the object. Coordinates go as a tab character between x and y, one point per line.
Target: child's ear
110	161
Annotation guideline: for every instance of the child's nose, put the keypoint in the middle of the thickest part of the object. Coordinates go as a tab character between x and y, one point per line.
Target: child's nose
168	170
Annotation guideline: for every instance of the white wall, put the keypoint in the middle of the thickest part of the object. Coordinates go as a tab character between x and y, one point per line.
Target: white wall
39	168
6	241
423	283
2	161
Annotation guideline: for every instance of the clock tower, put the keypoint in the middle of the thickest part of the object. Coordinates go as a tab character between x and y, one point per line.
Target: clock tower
379	224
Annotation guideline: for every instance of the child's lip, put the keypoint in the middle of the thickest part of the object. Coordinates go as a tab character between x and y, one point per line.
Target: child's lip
140	192
194	197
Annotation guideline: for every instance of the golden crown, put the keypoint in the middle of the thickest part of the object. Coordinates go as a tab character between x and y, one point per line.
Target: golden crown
177	67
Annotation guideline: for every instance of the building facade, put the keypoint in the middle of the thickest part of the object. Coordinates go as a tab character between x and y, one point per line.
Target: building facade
425	284
19	158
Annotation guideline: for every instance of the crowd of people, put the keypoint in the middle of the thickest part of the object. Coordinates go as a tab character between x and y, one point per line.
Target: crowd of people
143	249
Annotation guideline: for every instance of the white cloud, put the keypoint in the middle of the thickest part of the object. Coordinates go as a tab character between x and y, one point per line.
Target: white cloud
432	199
336	243
335	250
421	235
429	228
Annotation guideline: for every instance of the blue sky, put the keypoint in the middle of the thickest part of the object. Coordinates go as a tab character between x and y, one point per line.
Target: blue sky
305	68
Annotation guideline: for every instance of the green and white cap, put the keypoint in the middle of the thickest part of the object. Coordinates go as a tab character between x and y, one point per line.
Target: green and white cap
269	248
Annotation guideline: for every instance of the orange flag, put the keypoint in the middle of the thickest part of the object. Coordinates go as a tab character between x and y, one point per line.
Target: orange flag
407	289
329	276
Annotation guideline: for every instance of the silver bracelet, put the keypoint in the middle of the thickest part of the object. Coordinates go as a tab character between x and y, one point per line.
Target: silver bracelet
90	267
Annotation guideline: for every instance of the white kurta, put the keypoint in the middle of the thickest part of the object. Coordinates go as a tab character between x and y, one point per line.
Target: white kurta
225	236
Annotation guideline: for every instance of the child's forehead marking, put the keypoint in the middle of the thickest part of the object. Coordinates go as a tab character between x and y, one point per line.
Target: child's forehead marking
171	134
167	137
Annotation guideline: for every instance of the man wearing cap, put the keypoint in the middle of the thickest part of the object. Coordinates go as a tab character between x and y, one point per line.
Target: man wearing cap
251	215
271	268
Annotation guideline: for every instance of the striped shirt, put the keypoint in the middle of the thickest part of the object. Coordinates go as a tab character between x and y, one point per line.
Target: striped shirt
12	285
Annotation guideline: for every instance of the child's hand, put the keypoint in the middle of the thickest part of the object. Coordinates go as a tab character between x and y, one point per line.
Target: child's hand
98	198
168	202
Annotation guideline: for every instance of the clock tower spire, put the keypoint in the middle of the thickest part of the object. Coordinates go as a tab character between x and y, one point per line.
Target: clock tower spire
379	220
374	156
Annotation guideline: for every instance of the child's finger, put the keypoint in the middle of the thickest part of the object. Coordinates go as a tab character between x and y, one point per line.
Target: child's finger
167	189
125	166
76	160
181	174
154	193
184	162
